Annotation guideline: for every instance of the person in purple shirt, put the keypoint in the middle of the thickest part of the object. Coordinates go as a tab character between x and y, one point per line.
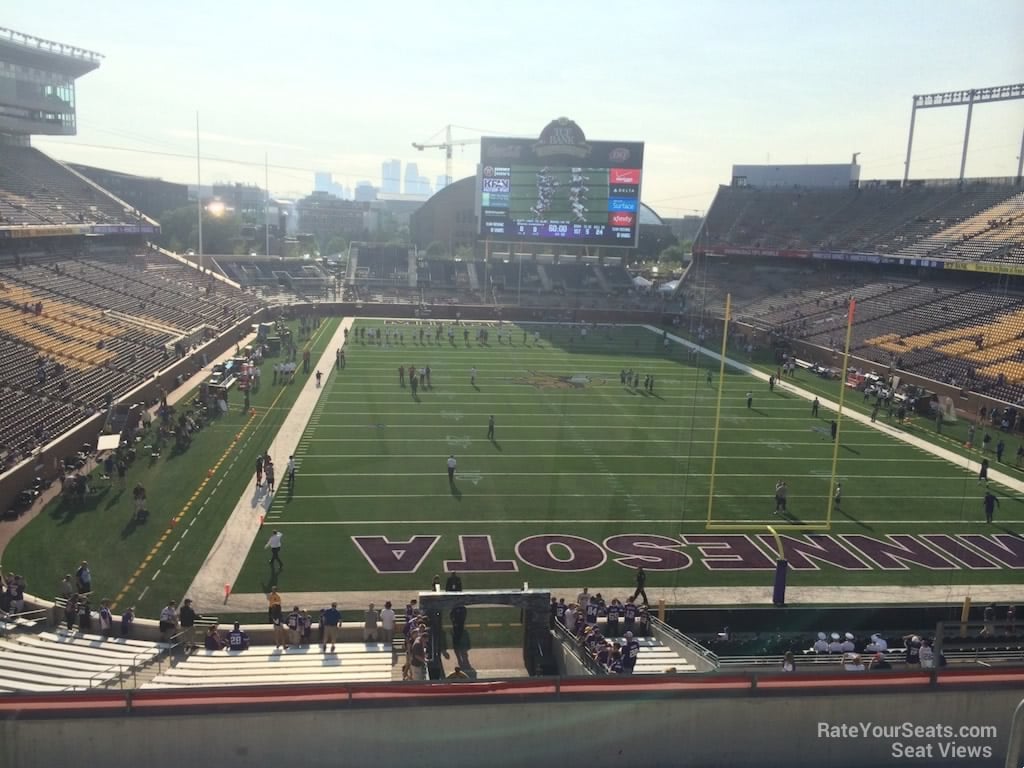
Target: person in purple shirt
629	614
630	651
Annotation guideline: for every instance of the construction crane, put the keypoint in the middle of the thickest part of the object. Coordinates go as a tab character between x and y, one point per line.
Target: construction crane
446	145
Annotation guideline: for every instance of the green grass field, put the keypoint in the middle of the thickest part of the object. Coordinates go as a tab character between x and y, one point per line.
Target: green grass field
124	556
578	458
585	480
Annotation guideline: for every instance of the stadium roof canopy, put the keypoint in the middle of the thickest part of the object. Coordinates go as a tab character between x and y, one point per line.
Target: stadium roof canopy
29	51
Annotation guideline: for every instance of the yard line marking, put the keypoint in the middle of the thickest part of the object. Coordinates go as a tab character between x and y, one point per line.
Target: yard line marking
606	473
597	521
761	496
616	456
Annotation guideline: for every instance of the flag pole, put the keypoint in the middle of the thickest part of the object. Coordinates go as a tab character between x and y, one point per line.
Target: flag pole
199	194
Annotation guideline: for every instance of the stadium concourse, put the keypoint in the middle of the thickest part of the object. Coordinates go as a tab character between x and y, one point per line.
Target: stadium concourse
220	570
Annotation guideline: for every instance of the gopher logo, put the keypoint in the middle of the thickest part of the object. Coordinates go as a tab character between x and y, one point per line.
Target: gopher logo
539	380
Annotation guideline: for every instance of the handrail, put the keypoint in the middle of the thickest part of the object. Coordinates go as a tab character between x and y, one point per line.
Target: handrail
571	645
705	653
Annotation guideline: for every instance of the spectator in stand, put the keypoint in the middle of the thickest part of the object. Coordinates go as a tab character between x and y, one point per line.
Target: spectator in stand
83	576
67	587
614	613
106	619
629	614
387	623
187	616
583	598
569	618
878	662
788	662
71	611
852	662
168	620
453	583
370	625
212	642
417	665
84	615
294	626
127	621
821	644
330	621
877	644
237	639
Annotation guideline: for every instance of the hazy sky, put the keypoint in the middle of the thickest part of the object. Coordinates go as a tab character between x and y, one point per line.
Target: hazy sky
342	86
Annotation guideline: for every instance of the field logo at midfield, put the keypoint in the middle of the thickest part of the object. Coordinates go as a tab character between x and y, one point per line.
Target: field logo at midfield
540	380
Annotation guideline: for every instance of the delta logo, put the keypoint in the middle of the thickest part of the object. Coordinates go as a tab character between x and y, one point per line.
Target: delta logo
624	175
621	219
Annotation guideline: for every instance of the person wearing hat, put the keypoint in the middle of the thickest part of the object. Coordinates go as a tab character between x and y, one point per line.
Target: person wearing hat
630	652
212	641
168	620
187	616
847	645
835	646
878	663
913	645
821	644
852	662
877	643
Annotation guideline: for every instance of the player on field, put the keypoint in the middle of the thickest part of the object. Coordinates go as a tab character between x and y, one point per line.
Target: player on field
814	408
780	497
750	399
983	472
472	376
991	502
401	376
837	497
490	428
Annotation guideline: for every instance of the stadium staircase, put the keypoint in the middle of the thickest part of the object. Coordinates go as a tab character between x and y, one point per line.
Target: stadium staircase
353	263
601	279
545	280
474	281
412	269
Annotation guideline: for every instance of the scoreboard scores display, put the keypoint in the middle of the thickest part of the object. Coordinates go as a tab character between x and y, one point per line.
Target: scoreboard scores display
576	193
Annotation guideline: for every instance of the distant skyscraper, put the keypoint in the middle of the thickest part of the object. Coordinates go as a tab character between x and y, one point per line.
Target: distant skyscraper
322	181
412	179
442	182
391	177
365	192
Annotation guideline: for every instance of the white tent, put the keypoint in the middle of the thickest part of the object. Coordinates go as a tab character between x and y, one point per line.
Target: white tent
668	287
642	283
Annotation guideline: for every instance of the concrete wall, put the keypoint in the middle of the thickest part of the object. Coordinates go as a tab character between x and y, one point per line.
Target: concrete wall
592	724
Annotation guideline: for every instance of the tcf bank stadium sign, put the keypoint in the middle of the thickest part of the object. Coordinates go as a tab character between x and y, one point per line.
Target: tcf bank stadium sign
570	553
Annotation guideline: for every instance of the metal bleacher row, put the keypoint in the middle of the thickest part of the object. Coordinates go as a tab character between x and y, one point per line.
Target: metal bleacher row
36	190
59	661
76	333
350	663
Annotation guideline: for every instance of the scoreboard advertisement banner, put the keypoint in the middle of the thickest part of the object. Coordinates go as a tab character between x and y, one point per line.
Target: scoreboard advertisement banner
560	189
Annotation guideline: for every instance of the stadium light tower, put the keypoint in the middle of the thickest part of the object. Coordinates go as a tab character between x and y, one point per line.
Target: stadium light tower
959	99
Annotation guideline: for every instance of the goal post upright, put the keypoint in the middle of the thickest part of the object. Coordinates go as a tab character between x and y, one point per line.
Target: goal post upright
839	412
718	404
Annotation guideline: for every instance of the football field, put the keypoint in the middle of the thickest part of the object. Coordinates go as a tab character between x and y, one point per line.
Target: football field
587	478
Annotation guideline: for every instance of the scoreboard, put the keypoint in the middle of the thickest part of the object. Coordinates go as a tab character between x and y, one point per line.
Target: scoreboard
574	193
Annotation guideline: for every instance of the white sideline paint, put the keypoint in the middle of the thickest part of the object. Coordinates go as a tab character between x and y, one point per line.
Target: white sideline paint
226	557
